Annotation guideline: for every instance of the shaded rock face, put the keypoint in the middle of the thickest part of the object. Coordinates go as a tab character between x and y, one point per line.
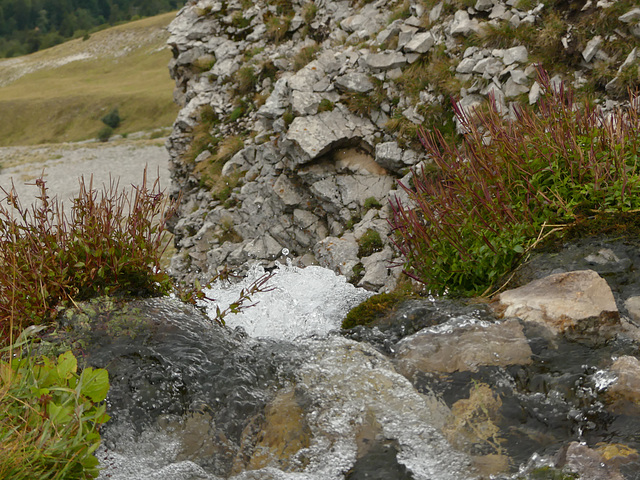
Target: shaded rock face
295	111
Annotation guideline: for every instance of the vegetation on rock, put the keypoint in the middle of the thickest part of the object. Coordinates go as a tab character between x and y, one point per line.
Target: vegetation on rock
109	243
508	184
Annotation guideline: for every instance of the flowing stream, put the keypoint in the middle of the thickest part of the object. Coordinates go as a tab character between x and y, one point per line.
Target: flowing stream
281	393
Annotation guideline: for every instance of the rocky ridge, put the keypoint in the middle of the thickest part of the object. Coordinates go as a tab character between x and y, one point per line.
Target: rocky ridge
298	118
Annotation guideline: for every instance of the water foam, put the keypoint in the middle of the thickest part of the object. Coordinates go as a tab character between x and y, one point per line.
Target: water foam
302	302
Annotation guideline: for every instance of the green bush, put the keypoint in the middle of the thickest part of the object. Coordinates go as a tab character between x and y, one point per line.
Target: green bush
50	414
510	183
110	243
112	119
105	133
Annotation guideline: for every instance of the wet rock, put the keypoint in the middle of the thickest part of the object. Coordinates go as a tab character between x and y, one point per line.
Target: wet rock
560	301
281	436
586	462
624	393
463	344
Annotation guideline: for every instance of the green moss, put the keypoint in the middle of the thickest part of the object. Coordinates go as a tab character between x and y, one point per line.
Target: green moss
374	308
371	202
369	243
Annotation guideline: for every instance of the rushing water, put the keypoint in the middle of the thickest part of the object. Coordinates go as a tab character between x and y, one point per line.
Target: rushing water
280	393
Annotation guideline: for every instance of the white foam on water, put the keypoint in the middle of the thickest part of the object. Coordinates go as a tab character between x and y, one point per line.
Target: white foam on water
303	302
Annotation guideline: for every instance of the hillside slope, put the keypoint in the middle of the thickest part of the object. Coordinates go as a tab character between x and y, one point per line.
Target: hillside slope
60	94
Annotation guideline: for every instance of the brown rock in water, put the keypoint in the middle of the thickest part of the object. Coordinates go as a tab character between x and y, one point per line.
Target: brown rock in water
624	393
284	433
588	463
560	301
463	348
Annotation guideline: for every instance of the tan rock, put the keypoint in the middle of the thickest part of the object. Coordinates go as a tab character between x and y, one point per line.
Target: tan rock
633	307
464	348
559	301
284	433
624	393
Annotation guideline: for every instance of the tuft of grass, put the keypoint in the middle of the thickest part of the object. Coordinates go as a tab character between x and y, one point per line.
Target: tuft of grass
510	184
245	79
75	95
277	28
369	243
400	12
309	12
304	56
365	103
326	105
111	243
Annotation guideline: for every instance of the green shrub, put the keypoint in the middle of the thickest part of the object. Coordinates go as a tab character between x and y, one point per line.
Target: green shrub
112	119
105	133
110	242
50	414
326	105
508	184
371	202
369	243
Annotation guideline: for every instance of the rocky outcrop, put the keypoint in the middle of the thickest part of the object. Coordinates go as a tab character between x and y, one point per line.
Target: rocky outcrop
322	101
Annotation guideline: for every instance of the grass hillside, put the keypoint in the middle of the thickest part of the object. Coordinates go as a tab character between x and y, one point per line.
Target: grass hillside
60	94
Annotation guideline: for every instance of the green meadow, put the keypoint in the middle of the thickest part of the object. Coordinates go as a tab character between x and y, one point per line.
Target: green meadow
61	94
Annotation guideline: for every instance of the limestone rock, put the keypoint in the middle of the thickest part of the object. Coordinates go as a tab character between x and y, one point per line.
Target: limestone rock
632	305
463	344
310	137
389	155
420	43
462	24
339	254
560	301
631	16
385	60
515	55
592	48
354	82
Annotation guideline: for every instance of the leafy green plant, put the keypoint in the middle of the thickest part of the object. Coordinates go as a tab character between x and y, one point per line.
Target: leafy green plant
110	242
105	133
50	415
112	119
507	183
369	243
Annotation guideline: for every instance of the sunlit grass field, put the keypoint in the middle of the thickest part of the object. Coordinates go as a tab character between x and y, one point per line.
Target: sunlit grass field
61	94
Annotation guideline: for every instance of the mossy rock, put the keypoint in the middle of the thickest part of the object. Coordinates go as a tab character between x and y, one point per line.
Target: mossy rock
374	308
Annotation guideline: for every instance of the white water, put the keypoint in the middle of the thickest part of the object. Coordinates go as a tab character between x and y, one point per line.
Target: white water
303	302
349	384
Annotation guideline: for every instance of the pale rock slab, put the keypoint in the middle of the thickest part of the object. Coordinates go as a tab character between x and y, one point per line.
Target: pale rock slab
632	305
559	301
463	24
515	55
420	43
354	82
592	48
338	254
631	16
310	137
463	346
385	60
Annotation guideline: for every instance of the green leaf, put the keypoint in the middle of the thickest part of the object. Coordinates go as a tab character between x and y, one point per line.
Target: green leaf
59	414
67	365
518	249
95	383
